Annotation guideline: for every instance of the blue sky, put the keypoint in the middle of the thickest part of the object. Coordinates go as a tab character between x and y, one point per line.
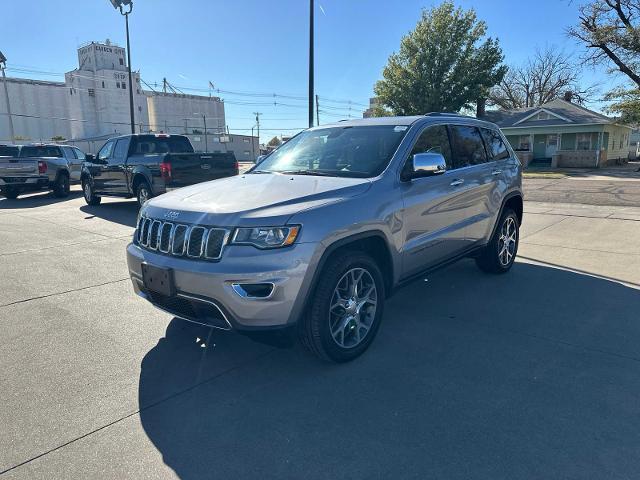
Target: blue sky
261	46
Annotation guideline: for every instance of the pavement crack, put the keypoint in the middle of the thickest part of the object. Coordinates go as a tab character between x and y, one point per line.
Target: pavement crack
63	293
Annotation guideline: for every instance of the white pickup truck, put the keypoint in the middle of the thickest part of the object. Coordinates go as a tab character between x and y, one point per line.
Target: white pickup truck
30	168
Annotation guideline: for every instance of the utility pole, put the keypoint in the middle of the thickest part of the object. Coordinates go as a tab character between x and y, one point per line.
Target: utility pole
3	64
257	114
311	63
164	84
185	126
206	143
317	111
253	145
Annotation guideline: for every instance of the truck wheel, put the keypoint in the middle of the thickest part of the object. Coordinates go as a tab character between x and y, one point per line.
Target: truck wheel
61	187
11	193
143	192
346	308
89	197
500	253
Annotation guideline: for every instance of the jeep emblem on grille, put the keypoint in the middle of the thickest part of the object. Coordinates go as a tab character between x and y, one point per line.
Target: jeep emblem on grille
171	215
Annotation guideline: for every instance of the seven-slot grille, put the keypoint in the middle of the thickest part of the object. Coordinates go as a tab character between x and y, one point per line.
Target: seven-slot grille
191	241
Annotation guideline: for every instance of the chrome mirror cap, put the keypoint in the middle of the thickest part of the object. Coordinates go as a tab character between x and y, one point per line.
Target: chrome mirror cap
430	163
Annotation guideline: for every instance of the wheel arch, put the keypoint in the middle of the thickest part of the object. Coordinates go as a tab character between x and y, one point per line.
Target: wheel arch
514	201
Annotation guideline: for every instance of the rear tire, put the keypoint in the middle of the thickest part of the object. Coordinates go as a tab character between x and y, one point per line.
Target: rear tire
342	321
143	192
87	191
11	193
500	253
61	188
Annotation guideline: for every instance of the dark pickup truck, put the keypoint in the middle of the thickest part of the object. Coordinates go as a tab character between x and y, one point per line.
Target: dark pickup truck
146	165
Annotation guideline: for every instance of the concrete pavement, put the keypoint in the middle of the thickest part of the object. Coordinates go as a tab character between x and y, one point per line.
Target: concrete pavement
534	374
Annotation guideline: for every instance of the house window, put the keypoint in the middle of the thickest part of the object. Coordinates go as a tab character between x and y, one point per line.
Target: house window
121	62
92	92
523	143
541	116
102	84
124	86
583	141
117	84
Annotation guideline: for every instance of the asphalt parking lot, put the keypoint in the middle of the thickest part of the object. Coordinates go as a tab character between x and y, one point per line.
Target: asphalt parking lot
535	374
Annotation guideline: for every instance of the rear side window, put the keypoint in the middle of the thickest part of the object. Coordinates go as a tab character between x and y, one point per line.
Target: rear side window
468	146
30	151
496	148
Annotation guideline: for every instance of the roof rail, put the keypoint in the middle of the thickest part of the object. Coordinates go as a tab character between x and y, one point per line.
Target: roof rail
445	114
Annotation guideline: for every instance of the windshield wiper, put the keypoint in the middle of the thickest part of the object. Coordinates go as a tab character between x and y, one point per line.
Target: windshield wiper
318	173
260	171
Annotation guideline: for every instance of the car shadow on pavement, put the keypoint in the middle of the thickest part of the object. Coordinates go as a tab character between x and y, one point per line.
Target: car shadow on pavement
124	213
34	200
533	374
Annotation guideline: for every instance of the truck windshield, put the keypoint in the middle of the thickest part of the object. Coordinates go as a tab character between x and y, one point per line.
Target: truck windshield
151	145
360	151
29	151
9	151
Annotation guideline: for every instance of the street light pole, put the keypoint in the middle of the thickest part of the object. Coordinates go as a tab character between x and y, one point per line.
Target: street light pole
311	63
3	65
119	4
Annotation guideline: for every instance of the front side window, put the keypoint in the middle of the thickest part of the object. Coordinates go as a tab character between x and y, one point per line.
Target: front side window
349	151
120	150
496	148
105	151
468	146
434	139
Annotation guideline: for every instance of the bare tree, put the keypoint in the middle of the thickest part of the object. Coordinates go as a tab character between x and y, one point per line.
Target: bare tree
549	74
610	29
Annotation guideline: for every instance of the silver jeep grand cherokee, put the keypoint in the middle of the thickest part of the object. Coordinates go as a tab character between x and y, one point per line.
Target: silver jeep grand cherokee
324	229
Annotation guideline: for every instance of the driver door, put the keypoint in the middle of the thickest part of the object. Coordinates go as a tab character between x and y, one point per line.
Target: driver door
434	213
100	168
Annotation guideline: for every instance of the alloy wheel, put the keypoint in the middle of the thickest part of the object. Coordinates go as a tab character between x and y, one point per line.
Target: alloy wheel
87	191
353	307
507	241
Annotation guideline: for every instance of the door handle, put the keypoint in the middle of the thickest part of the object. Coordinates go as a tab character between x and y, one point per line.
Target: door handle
496	172
457	182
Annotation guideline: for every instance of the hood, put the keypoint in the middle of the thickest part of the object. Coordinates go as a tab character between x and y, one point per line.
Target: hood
254	199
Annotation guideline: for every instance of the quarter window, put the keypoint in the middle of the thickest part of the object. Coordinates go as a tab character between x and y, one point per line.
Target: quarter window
496	148
468	146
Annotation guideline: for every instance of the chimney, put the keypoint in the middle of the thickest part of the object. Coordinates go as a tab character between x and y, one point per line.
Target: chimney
481	107
568	96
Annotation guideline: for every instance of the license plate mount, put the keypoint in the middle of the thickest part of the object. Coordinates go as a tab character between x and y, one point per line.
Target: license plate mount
158	279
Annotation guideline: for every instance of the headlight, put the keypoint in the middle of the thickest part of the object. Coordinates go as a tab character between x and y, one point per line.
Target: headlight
266	237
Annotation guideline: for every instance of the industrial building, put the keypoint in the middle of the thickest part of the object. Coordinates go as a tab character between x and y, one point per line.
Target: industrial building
92	105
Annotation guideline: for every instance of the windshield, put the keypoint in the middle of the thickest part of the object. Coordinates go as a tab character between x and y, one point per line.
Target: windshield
361	151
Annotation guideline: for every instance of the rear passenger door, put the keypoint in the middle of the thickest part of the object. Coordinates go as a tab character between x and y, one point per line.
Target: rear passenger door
474	180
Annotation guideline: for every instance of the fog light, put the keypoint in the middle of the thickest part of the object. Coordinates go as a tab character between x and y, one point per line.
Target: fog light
253	290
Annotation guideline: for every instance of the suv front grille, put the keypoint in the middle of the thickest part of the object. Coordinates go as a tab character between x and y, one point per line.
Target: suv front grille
192	241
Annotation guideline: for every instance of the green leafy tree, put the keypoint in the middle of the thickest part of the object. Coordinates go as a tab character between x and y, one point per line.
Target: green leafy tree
274	142
444	64
58	138
610	31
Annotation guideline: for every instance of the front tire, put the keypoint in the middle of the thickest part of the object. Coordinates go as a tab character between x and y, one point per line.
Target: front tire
500	253
89	196
346	308
61	188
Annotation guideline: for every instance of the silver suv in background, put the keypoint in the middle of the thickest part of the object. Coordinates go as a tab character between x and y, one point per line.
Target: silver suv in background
324	229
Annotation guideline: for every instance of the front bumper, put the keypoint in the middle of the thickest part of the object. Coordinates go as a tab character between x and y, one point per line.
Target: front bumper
204	286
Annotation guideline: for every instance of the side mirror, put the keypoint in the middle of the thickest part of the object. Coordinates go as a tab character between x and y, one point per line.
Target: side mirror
89	157
427	164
